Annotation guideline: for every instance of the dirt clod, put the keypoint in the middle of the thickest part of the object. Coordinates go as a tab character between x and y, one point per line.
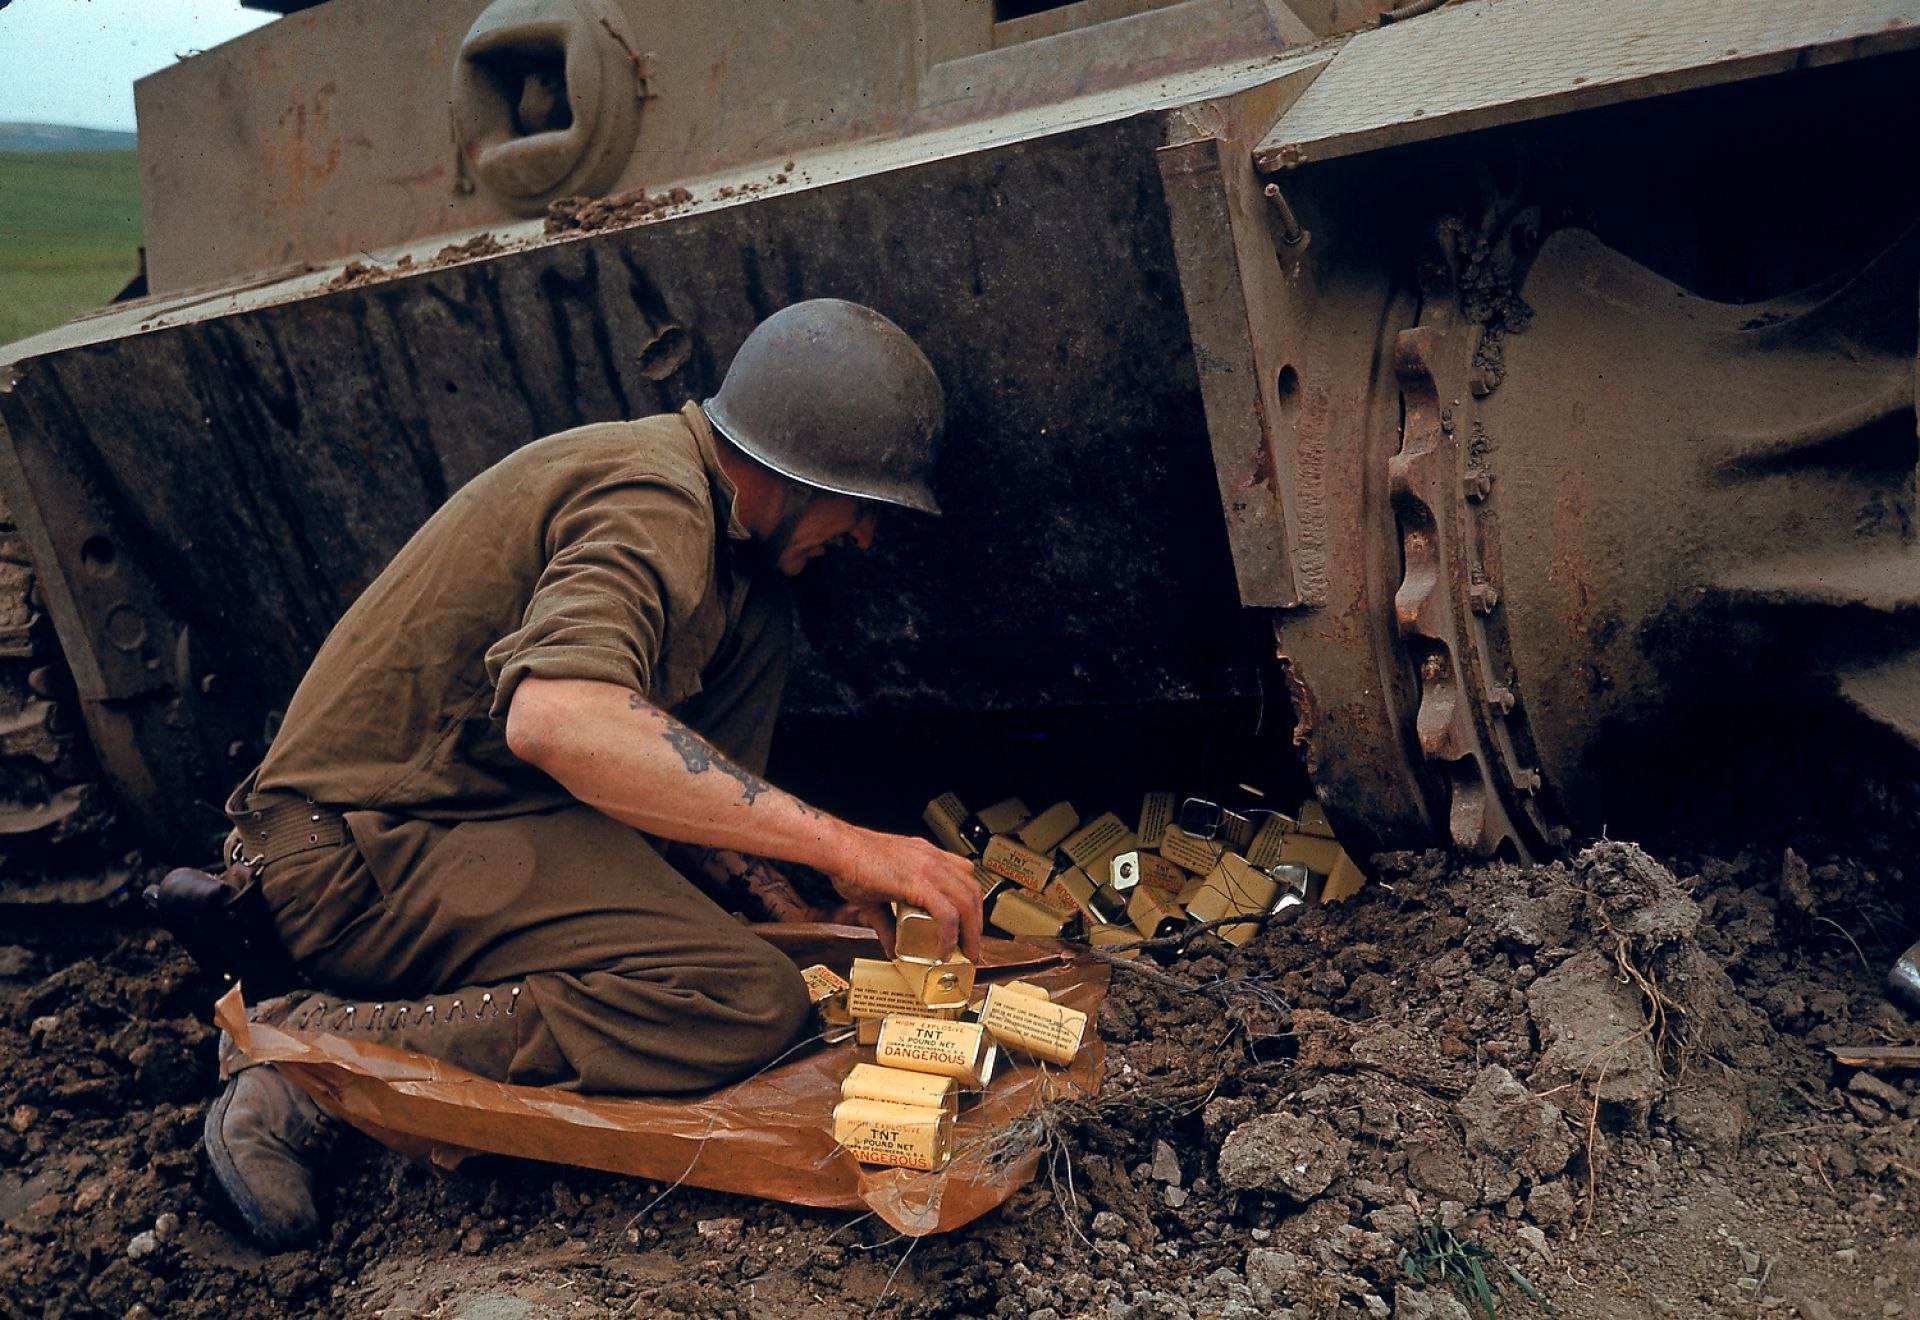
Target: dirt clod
589	214
1393	1054
1293	1153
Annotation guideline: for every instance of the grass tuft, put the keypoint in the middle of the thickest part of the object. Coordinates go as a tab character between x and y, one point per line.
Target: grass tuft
1439	1255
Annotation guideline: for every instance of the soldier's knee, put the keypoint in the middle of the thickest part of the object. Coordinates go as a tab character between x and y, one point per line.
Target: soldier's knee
771	1005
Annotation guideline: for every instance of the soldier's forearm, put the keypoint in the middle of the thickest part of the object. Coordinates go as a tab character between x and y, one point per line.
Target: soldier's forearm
614	750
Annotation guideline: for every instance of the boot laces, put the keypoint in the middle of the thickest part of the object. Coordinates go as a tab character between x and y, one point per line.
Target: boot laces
346	1018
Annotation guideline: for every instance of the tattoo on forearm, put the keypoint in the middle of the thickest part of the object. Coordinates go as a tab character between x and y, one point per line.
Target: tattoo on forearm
695	752
699	756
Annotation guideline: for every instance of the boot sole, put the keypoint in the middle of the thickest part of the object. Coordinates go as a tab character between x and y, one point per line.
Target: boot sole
256	1217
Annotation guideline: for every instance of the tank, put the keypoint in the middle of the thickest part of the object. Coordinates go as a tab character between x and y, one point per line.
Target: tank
1516	397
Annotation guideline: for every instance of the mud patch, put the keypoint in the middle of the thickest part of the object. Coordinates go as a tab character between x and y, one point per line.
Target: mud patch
586	215
1284	1139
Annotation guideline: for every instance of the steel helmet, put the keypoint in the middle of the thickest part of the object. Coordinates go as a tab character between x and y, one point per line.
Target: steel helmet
835	396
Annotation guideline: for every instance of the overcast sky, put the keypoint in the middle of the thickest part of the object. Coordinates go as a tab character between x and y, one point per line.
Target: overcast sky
74	61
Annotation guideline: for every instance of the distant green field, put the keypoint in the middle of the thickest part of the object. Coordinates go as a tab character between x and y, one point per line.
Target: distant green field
69	235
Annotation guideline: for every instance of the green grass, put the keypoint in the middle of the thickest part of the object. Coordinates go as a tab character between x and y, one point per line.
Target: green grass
1440	1256
69	235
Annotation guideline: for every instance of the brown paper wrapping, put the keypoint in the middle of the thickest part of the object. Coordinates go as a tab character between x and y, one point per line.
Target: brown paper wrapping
768	1136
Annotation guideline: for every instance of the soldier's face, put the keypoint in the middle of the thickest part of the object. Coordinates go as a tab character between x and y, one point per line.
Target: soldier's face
820	524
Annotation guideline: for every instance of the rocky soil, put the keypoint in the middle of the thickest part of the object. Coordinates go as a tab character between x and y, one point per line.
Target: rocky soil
1599	1087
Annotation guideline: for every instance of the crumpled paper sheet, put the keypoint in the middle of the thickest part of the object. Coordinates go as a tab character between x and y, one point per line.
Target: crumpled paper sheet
769	1136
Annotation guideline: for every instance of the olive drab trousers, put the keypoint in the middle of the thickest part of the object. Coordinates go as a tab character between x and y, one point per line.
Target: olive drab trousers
624	977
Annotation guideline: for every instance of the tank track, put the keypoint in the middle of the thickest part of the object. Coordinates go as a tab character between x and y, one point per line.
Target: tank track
56	820
1471	721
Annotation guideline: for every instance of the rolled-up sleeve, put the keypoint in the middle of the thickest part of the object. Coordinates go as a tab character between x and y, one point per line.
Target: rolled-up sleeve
627	560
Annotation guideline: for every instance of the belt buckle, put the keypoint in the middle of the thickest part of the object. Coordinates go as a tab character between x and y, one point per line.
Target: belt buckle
237	856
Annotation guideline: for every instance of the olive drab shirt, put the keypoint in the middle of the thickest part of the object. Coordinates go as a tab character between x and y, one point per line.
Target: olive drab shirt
607	552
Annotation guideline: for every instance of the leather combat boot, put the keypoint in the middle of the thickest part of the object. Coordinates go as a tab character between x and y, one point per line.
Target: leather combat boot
479	1029
266	1137
265	1140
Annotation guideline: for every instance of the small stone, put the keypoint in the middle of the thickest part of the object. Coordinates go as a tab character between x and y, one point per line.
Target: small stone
1504	1118
1452	1214
719	1230
167	1226
143	1245
474	1242
1749	1260
1175	1197
23	1117
1847	1255
1107	1224
1412	1304
43	1027
1376	1306
1892	1308
1552	1203
1285	1152
1166	1165
1395	1221
1534	1238
138	1311
1867	1110
1274	1276
1863	1083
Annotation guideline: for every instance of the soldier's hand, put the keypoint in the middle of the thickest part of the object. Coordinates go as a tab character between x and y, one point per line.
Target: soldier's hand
896	868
